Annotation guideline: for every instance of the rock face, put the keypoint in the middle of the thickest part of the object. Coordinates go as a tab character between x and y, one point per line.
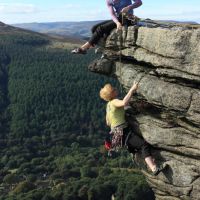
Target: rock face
166	62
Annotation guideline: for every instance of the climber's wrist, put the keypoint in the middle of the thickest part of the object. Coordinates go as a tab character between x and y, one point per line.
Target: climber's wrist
119	26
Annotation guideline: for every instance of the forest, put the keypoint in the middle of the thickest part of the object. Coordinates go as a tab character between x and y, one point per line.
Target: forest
52	128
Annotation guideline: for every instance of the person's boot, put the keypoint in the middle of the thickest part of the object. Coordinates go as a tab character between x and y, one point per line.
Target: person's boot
78	51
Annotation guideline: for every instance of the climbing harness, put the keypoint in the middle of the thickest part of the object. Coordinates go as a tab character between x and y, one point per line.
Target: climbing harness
132	18
117	136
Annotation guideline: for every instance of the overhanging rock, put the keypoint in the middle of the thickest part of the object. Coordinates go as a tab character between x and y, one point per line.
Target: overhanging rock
166	63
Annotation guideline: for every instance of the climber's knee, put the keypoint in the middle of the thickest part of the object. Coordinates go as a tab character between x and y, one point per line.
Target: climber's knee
93	29
100	31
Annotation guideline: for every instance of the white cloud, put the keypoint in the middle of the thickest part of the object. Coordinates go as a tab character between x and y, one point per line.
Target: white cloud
17	8
72	6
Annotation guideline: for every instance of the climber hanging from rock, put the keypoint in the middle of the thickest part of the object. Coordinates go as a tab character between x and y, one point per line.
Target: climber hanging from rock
121	133
116	8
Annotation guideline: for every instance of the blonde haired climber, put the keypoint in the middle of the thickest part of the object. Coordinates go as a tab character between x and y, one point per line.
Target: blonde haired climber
121	133
107	92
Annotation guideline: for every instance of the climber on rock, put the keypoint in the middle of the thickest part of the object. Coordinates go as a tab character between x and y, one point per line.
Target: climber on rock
121	133
116	9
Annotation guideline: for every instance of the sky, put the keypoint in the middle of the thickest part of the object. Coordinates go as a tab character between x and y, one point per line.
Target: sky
23	11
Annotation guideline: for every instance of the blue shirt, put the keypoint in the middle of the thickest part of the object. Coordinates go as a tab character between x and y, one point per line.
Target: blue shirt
118	5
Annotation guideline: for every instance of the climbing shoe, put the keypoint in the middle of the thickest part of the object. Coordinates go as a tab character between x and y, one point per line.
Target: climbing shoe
159	169
78	51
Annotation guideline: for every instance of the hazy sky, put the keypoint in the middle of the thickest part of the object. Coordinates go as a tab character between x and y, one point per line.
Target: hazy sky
18	11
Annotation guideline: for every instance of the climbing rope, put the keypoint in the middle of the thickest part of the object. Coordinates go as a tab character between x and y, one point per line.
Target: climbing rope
134	20
120	54
121	41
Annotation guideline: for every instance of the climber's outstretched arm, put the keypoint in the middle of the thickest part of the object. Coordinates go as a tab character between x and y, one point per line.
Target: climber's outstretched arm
125	101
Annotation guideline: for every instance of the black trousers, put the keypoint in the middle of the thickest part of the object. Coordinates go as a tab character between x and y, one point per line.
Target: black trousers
136	143
103	29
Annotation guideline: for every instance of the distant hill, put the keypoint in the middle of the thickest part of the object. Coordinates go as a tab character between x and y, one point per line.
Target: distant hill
76	29
55	41
81	30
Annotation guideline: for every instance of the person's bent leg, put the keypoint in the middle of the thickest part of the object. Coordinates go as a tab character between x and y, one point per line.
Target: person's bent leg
86	46
93	29
150	162
103	28
139	143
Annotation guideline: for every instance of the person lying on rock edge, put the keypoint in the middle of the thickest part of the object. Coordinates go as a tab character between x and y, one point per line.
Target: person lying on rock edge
116	8
121	133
